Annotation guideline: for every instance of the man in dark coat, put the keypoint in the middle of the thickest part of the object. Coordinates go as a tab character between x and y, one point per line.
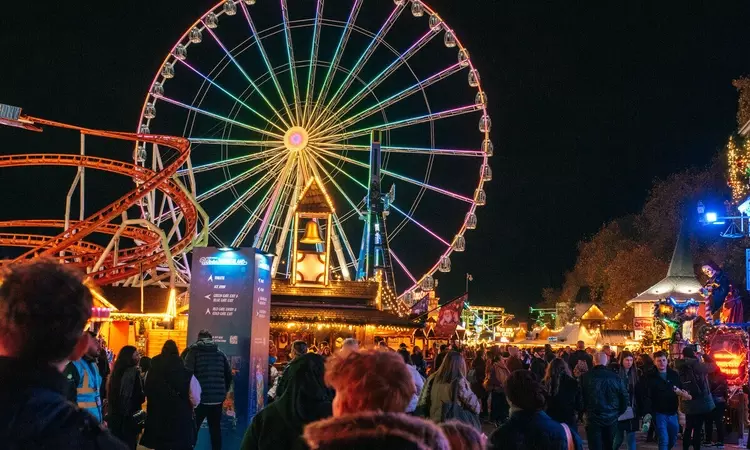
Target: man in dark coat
44	307
440	357
580	355
211	367
605	398
663	390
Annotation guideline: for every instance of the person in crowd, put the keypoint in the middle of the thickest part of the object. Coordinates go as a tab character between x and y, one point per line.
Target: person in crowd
306	400
529	427
564	355
564	400
102	363
448	385
417	358
299	348
538	366
694	376
549	353
514	360
416	377
144	365
44	307
496	376
663	389
580	355
211	367
462	436
373	389
172	393
349	345
476	380
717	382
440	357
628	424
605	399
125	397
84	375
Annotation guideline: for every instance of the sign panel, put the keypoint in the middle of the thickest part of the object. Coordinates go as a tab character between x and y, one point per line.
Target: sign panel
729	350
225	300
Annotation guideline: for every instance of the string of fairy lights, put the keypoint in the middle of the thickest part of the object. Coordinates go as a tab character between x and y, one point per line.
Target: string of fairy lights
738	162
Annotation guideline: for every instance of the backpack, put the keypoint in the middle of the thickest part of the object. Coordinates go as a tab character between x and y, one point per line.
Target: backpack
693	383
580	368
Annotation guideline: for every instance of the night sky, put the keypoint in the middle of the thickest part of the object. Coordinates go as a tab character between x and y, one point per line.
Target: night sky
590	102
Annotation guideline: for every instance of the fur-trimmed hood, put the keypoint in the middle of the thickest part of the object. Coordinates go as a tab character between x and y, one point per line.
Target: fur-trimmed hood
369	425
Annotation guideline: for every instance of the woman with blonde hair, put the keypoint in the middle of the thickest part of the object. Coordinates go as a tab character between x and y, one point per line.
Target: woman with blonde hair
446	387
462	436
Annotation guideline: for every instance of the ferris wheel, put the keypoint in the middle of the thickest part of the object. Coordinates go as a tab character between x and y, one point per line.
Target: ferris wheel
273	93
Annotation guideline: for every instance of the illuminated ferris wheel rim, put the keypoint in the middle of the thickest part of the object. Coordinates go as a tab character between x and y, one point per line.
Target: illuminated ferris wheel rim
291	131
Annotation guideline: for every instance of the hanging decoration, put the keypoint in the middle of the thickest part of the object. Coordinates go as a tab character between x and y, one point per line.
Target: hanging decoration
674	313
738	162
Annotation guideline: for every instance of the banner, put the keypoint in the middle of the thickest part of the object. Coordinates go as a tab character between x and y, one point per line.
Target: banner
449	317
230	297
419	308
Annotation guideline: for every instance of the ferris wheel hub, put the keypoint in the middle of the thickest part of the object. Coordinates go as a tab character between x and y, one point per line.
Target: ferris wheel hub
296	139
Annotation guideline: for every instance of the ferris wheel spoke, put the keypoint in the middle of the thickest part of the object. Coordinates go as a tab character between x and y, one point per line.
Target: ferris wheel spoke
335	238
247	77
314	47
240	201
333	180
290	57
337	55
379	78
402	265
298	185
400	177
219	117
234	97
403	123
410	150
271	210
417	87
416	222
365	56
263	54
250	223
236	142
266	165
229	162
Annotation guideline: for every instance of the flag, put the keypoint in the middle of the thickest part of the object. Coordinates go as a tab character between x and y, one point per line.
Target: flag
419	308
449	317
469	277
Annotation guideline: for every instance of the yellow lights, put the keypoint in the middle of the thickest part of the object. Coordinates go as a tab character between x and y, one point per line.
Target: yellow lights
171	305
296	139
336	326
738	159
729	363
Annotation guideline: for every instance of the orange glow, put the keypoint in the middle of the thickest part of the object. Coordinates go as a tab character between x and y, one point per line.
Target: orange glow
730	364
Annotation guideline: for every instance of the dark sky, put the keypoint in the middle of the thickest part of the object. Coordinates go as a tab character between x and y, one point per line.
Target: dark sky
590	102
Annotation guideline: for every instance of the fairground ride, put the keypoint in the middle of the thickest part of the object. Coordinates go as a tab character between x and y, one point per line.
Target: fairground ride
114	245
275	93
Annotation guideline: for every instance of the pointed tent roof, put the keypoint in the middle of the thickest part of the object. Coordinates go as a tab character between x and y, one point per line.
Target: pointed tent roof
314	198
680	281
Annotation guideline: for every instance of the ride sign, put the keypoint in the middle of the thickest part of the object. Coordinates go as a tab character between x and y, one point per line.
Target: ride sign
230	296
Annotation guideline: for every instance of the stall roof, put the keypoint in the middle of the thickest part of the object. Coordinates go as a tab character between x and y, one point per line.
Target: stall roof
352	315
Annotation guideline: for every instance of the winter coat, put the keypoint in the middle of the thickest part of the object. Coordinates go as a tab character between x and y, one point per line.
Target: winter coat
659	395
124	401
514	363
532	430
418	384
35	413
636	396
702	401
418	360
717	382
580	355
605	397
438	360
211	367
306	400
479	365
538	367
566	402
170	422
351	430
435	394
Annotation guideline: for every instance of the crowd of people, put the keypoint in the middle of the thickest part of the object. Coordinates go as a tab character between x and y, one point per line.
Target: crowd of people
61	391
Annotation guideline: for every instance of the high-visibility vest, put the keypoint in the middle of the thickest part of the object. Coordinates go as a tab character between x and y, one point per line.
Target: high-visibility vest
89	388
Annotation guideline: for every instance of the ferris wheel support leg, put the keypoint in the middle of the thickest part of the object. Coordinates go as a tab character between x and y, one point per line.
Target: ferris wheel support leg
82	171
